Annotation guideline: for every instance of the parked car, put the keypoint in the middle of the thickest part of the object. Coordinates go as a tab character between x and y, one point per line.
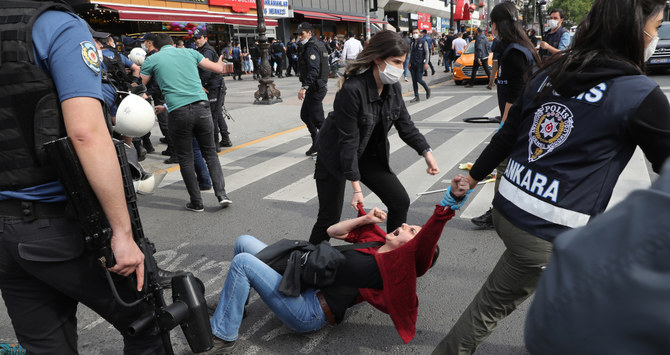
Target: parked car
661	57
463	65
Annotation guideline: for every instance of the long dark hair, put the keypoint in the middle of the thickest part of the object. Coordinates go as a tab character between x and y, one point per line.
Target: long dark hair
506	18
382	45
611	31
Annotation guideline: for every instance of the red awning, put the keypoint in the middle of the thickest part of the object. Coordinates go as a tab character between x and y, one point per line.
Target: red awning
317	15
351	18
164	14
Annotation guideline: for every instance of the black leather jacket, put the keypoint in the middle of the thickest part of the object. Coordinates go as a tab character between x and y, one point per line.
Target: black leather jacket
349	129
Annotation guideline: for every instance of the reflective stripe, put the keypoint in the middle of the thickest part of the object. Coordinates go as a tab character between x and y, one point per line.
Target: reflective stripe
541	209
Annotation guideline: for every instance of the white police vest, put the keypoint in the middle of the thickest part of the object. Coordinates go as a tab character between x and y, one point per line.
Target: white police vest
569	154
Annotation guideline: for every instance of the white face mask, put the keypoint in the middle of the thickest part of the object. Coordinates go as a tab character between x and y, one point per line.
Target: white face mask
144	47
552	24
415	35
651	48
391	74
99	55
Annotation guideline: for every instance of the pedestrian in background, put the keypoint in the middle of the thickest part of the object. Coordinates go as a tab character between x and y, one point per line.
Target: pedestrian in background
558	38
292	57
237	61
176	71
353	142
458	46
431	46
314	69
568	137
408	39
352	47
482	47
418	63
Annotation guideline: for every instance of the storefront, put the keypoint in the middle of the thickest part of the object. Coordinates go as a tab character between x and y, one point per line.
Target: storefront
224	19
331	24
399	20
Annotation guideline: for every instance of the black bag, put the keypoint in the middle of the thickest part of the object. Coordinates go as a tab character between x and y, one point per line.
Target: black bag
303	264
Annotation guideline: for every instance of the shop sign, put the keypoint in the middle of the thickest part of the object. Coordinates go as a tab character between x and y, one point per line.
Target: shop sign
438	24
275	8
237	5
403	19
424	22
191	1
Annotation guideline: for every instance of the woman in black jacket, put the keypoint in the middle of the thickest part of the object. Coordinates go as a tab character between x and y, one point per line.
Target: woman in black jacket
353	144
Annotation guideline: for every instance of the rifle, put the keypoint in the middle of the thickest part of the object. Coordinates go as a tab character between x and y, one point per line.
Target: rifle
188	308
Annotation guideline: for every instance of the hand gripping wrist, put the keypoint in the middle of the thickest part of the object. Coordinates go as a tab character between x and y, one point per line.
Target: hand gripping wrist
450	200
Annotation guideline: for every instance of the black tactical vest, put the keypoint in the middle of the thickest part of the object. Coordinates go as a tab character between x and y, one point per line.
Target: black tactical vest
29	108
116	70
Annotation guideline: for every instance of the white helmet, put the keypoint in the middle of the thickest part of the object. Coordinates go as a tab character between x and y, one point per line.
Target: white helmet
137	56
135	117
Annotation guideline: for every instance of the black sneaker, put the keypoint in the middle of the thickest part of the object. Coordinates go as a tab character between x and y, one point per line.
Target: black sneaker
484	221
415	99
195	207
163	140
205	187
224	201
311	152
171	160
225	141
428	93
167	152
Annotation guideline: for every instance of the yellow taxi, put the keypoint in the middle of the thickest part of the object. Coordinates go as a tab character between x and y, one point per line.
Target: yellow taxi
463	65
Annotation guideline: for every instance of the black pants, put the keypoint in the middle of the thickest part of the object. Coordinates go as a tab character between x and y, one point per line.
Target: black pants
216	98
430	64
475	67
376	177
278	60
45	272
292	64
311	111
237	68
187	122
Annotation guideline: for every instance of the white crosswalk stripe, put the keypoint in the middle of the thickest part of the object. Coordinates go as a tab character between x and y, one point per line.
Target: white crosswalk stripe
448	154
457	109
304	189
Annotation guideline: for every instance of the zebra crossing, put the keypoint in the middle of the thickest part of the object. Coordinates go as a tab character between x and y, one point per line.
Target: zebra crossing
286	153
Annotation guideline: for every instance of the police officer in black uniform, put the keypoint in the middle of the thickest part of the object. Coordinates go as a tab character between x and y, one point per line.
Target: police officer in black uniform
215	87
292	56
45	270
314	68
277	50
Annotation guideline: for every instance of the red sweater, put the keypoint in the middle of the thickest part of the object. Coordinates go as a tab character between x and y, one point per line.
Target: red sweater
399	269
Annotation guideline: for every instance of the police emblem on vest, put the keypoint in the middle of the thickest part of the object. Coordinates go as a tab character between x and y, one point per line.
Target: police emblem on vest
552	125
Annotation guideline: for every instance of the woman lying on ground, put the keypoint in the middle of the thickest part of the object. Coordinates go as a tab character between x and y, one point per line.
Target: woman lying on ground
370	273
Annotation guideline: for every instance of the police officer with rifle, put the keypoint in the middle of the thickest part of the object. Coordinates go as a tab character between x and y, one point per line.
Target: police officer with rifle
47	266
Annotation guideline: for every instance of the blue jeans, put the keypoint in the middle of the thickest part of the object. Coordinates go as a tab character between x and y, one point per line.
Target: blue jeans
417	78
405	66
201	172
302	314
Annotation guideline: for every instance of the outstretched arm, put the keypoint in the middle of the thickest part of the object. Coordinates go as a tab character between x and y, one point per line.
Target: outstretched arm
342	229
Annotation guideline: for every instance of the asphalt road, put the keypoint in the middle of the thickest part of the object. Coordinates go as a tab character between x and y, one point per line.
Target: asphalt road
269	180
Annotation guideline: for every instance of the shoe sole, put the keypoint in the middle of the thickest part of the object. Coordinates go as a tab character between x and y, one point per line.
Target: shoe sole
195	210
225	203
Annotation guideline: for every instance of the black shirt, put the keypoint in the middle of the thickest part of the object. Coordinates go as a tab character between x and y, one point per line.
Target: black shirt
359	271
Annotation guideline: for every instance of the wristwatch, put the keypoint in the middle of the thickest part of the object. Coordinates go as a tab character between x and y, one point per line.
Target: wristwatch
426	151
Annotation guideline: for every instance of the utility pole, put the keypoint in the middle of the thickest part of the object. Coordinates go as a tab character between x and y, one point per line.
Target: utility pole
367	20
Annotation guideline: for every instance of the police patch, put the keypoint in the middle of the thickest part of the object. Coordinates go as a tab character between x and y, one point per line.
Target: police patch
552	125
312	57
89	53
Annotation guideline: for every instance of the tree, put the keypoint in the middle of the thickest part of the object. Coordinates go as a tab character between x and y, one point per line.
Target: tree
574	10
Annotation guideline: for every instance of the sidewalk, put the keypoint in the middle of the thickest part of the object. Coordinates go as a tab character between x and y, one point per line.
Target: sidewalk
253	122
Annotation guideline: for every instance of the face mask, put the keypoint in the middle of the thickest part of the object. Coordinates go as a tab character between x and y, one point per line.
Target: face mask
415	35
304	41
144	47
651	48
100	55
552	24
391	74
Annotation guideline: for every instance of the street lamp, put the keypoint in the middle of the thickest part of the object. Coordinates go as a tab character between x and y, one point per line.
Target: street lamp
266	94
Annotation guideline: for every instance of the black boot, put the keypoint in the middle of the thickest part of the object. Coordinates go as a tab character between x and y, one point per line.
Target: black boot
225	141
146	142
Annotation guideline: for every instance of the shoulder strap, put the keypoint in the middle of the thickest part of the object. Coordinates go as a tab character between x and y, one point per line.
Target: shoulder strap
342	248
